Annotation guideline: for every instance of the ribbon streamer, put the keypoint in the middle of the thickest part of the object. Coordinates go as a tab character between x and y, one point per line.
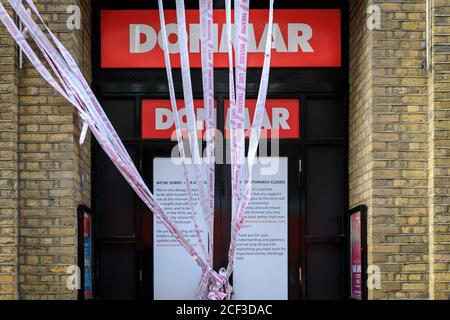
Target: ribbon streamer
178	130
72	85
207	53
254	139
192	133
189	107
76	90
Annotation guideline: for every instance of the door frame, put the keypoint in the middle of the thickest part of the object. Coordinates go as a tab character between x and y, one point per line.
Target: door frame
304	82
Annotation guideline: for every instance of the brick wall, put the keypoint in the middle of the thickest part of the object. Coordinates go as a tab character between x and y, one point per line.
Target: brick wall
439	155
400	153
402	170
8	167
83	153
360	111
393	140
47	167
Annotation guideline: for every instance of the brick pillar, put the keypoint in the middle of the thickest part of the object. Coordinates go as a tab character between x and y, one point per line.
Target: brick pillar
83	153
400	153
8	167
360	114
50	163
389	143
439	155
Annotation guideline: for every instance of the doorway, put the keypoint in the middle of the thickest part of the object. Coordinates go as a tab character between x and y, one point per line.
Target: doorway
317	171
316	166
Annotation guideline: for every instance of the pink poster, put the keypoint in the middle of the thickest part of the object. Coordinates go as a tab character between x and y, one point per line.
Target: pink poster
356	261
87	236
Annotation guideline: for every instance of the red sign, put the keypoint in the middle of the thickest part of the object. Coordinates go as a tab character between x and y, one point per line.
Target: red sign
301	38
158	121
282	115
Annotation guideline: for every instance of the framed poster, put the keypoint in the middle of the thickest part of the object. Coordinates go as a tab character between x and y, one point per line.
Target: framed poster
86	252
358	253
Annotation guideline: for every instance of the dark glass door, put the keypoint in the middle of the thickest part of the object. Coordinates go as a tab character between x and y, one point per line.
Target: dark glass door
325	197
317	170
289	149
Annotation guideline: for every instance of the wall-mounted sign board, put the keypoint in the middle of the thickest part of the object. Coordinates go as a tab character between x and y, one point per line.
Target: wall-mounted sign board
281	118
301	38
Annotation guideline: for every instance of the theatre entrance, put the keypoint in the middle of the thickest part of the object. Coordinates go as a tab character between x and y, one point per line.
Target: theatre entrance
294	242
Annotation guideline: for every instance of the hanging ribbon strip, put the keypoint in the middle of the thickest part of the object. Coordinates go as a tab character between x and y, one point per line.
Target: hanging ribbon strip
237	113
180	139
207	52
207	206
238	146
240	198
72	85
189	106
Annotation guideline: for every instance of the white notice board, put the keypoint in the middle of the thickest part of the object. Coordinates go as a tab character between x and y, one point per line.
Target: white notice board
261	263
176	275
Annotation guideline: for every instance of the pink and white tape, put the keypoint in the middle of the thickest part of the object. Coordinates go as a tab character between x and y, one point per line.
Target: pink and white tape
80	95
73	86
245	197
207	52
242	197
194	150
